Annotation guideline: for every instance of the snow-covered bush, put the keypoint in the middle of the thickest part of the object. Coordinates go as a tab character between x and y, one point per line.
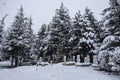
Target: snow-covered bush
103	59
109	54
111	43
115	60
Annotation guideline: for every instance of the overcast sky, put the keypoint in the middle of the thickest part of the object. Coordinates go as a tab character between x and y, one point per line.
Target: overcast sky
42	11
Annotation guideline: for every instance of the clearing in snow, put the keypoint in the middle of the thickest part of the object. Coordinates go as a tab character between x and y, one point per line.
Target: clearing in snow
54	72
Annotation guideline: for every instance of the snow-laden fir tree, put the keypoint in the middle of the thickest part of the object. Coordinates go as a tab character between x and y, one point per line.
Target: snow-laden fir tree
60	27
2	24
29	39
40	36
75	34
93	31
16	44
2	35
109	55
112	18
43	42
88	36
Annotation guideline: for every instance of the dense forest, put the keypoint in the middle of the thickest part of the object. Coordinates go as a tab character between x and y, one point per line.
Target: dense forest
81	35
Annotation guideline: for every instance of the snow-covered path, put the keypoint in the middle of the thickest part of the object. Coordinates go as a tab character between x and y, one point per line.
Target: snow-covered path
54	72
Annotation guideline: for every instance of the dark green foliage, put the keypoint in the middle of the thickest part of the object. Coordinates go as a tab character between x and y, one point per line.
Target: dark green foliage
19	39
60	27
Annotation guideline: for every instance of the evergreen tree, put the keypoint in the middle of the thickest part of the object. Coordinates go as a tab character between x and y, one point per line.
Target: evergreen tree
75	34
92	32
87	34
15	44
112	18
2	24
2	35
61	24
29	38
109	56
42	43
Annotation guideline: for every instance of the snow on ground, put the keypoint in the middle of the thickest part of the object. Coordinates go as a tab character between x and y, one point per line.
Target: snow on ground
54	72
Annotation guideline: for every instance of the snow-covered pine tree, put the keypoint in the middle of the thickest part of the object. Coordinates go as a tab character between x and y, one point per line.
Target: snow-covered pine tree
42	41
109	55
87	40
29	39
2	24
112	18
2	35
75	34
15	44
61	24
92	32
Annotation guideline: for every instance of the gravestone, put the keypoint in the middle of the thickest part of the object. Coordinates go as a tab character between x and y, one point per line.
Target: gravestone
48	58
40	59
51	62
87	59
74	58
78	58
36	57
10	58
95	61
64	59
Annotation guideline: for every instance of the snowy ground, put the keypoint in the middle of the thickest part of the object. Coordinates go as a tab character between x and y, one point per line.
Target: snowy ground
54	72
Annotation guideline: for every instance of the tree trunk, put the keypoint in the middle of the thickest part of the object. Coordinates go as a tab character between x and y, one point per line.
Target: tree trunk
12	59
49	59
91	58
20	60
81	58
16	61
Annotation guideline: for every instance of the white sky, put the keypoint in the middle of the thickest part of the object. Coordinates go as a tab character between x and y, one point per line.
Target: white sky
42	11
